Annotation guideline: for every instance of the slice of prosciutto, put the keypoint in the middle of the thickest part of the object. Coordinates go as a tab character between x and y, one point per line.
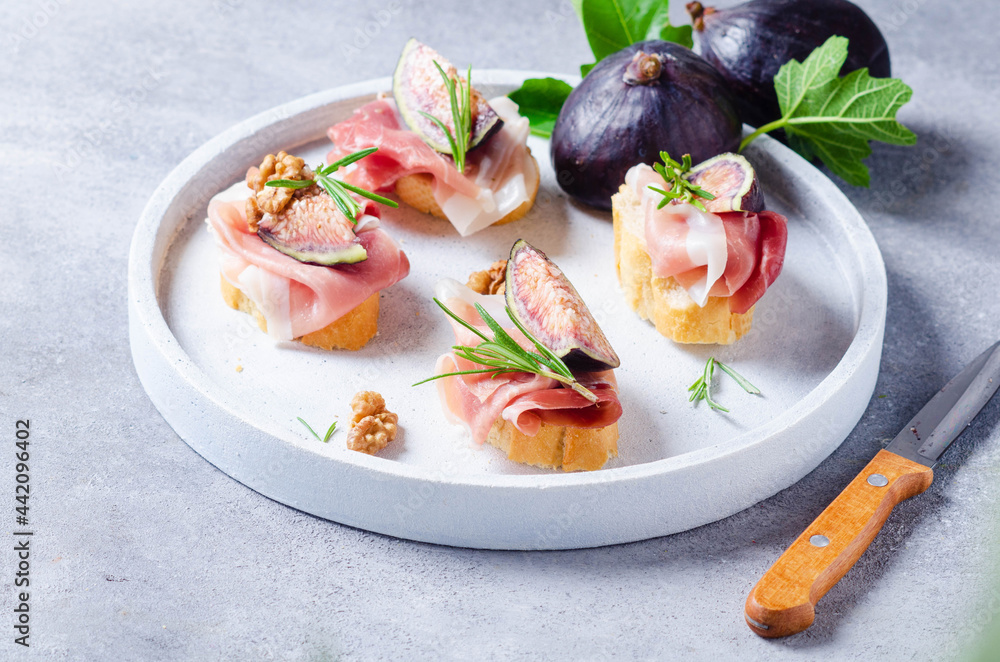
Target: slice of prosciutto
730	254
297	298
526	400
495	181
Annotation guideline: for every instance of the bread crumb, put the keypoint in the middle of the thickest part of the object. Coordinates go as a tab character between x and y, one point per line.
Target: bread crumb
372	425
239	368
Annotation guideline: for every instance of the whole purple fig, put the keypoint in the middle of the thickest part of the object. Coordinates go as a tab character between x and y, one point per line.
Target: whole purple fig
647	97
749	43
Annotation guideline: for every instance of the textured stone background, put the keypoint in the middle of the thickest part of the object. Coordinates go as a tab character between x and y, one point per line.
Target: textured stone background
145	551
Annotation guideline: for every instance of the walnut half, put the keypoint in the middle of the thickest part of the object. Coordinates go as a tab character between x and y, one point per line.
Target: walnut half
490	281
270	199
372	425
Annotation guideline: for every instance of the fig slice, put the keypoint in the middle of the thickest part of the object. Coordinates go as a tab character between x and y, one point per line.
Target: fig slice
312	230
417	86
543	300
733	182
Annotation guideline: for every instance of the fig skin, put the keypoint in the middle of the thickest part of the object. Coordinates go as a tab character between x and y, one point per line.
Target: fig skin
626	110
749	43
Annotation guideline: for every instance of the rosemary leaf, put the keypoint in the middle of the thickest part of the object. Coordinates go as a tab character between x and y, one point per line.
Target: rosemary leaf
368	194
467	115
447	133
462	372
347	205
716	406
329	432
680	188
290	183
701	389
502	354
500	336
461	116
348	160
308	427
460	320
707	379
554	361
337	189
740	379
326	437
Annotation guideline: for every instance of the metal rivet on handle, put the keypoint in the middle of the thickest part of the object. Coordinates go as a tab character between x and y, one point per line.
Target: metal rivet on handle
819	541
878	480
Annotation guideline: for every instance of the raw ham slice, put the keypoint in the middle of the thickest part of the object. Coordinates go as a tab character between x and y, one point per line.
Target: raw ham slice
742	233
730	254
400	151
526	400
770	258
563	406
298	298
494	182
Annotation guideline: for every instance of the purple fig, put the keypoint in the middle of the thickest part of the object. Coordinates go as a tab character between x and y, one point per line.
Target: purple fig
748	43
648	97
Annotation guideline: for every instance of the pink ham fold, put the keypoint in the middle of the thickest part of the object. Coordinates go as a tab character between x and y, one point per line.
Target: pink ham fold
312	296
400	151
755	245
526	400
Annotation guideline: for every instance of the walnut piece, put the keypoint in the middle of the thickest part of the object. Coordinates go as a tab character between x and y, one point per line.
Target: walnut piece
372	425
490	281
272	199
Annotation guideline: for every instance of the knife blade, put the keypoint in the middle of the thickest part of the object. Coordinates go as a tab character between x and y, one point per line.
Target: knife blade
783	601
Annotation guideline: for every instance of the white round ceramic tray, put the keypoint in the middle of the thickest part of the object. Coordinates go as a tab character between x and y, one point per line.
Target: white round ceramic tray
233	395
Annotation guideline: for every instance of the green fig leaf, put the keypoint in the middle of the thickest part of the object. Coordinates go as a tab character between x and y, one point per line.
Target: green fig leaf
835	118
540	100
679	34
612	25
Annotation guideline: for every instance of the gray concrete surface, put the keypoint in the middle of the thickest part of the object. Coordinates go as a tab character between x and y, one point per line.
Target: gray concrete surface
144	551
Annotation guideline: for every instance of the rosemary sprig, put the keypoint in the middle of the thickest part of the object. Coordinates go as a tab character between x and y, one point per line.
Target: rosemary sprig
326	437
461	116
702	388
337	189
501	354
680	188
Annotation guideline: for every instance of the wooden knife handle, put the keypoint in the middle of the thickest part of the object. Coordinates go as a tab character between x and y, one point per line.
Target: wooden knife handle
783	601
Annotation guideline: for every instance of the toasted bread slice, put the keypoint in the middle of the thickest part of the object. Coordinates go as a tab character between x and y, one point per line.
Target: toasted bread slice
352	331
662	300
418	192
556	446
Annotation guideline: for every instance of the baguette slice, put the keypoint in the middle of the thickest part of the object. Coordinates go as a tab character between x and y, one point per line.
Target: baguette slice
418	192
352	331
556	446
662	300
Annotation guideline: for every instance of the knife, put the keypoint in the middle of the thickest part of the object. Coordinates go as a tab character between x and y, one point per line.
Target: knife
783	601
